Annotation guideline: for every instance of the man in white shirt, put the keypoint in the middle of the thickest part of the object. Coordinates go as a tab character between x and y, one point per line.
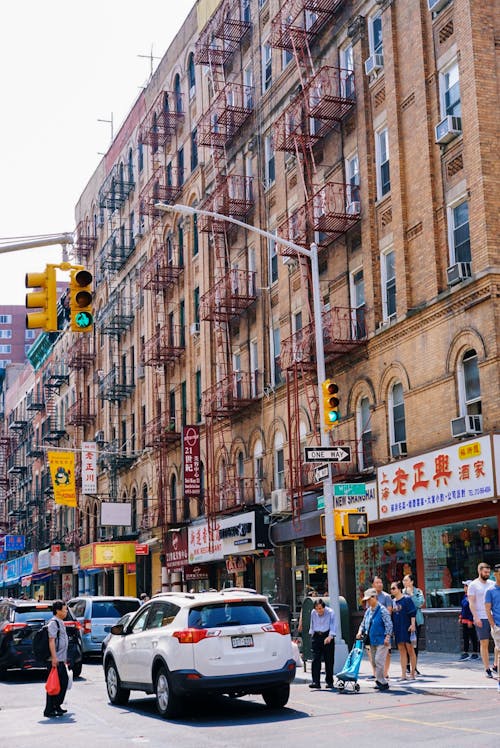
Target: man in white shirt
476	594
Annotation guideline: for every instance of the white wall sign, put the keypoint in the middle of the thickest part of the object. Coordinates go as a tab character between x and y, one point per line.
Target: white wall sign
199	544
367	503
116	513
89	468
238	533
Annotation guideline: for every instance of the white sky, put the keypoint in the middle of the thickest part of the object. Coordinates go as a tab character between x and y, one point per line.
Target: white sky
64	64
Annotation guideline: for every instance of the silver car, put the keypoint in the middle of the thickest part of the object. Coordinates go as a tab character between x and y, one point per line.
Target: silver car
96	616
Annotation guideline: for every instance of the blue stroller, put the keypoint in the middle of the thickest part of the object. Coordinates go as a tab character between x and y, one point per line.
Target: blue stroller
350	672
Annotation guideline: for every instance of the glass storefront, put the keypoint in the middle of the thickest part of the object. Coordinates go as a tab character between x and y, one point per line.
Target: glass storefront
266	577
317	569
451	554
387	556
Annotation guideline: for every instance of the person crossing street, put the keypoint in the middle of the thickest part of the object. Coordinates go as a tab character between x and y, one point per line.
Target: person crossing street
322	630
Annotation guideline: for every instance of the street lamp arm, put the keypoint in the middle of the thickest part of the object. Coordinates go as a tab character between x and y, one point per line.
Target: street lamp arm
44	241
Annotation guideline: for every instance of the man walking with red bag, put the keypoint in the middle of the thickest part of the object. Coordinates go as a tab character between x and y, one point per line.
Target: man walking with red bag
58	645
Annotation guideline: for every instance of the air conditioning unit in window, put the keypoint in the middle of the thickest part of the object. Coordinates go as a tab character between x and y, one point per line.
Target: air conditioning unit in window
398	449
458	272
466	425
448	129
436	5
280	503
194	328
354	208
374	63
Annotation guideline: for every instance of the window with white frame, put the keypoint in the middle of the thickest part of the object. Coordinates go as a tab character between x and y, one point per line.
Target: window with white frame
279	461
245	11
346	55
6	334
382	162
27	348
449	90
352	179
469	388
5	349
286	58
248	86
273	259
191	76
258	470
459	232
357	287
254	367
275	354
5	319
397	414
240	473
267	66
364	430
4	362
388	271
375	34
237	376
269	164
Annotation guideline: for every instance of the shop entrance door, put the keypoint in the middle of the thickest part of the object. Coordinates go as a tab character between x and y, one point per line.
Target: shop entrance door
298	588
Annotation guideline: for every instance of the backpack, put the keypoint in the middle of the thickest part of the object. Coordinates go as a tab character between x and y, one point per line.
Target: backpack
40	643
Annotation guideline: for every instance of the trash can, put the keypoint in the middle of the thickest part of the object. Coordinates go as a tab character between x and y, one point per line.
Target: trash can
307	607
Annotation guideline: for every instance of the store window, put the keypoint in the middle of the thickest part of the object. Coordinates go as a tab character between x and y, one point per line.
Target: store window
451	554
317	570
387	556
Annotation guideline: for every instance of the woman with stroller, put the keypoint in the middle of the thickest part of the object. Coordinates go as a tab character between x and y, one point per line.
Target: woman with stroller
404	623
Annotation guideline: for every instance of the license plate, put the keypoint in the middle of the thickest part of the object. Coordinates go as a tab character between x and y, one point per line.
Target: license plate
241	641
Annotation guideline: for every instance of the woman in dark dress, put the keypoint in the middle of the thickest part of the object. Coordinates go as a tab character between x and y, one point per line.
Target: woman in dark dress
404	623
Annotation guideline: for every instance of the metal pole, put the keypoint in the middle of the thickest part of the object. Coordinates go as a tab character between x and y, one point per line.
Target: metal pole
46	241
331	546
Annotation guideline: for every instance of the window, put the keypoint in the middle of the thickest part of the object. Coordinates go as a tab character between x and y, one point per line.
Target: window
273	259
183	403
269	165
27	348
382	162
245	11
469	388
388	285
254	367
191	76
275	354
29	334
4	362
286	58
180	243
178	95
375	34
198	395
140	156
130	166
5	319
6	334
5	349
180	167
347	71
248	84
194	149
352	178
449	89
196	304
358	304
173	499
196	246
459	233
364	430
279	462
267	66
397	409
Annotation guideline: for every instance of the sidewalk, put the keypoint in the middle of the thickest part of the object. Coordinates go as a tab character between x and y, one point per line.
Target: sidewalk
439	671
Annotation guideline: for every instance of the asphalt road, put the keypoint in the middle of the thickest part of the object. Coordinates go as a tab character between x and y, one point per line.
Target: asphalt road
324	718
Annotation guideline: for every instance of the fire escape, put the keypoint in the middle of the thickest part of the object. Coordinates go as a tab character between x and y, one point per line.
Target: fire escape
166	342
5	480
233	290
326	96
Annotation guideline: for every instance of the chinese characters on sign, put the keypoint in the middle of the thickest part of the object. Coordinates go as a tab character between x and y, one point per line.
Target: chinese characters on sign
176	550
89	467
191	454
62	471
200	548
14	543
454	475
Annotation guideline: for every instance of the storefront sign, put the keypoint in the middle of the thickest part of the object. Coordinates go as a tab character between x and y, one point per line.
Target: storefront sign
176	550
62	472
194	572
460	474
141	549
191	456
235	564
14	543
67	586
199	548
106	554
89	467
244	533
366	503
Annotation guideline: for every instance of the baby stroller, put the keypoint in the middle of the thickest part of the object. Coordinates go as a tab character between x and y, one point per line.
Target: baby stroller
350	672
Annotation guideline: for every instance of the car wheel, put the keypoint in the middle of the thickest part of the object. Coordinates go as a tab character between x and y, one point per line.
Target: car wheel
77	669
167	703
117	694
276	698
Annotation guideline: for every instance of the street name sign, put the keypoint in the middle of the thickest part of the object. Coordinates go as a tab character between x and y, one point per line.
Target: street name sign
327	454
349	489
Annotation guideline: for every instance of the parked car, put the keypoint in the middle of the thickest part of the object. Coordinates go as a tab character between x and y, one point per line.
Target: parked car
19	619
97	615
124	620
181	644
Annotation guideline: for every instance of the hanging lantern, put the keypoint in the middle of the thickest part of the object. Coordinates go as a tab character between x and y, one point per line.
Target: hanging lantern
485	533
405	544
465	536
446	538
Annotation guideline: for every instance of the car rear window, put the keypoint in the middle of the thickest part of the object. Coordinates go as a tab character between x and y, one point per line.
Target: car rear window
36	613
228	614
113	608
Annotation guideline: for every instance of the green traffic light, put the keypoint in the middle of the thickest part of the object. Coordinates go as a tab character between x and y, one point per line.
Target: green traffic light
83	319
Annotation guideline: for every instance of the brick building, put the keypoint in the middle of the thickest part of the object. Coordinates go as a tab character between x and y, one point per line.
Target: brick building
366	127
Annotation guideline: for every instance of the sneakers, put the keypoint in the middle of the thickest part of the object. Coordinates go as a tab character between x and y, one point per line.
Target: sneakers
494	668
488	673
474	656
381	686
464	656
314	685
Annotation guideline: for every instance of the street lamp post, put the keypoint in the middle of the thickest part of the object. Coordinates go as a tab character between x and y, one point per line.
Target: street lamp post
312	254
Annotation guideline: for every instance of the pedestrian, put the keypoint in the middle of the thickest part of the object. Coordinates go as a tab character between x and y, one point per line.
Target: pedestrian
58	646
386	600
322	630
404	624
466	620
492	607
476	594
418	601
376	630
144	597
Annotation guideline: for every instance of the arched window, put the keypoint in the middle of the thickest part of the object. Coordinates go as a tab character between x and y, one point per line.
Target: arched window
173	498
196	246
140	156
130	166
178	95
279	461
240	470
191	76
364	434
133	510
222	484
397	421
469	387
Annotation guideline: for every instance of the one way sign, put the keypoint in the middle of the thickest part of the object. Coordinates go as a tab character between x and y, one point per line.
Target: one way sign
327	454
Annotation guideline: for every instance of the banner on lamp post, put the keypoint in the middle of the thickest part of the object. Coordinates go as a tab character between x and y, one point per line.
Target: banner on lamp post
62	472
89	468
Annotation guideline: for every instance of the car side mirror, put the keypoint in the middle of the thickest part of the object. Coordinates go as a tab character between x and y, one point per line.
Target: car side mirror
117	629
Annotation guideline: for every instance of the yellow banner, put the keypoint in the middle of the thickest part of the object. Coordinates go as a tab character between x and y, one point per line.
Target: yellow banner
114	553
62	472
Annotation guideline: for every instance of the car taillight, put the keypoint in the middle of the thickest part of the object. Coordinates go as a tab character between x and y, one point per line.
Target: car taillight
280	627
193	636
87	626
9	627
71	624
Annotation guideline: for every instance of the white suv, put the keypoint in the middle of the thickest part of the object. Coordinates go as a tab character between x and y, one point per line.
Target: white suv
180	644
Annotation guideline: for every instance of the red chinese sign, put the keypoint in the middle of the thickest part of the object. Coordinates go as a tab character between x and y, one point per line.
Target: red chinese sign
141	549
191	456
176	550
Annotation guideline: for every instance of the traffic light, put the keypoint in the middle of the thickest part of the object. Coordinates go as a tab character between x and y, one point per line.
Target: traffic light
80	301
44	299
331	415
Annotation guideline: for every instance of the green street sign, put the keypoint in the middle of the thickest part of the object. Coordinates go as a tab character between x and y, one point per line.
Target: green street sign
321	502
349	489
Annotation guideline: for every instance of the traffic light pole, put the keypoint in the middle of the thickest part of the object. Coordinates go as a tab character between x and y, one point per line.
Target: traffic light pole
312	254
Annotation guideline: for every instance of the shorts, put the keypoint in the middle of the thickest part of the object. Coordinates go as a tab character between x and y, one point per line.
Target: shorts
483	632
495	634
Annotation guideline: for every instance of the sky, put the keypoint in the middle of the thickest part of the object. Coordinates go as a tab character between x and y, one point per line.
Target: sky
65	64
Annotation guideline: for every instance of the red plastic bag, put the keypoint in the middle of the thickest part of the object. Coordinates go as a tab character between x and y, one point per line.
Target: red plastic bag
53	686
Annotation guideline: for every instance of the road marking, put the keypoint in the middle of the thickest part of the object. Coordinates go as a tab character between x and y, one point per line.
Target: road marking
443	725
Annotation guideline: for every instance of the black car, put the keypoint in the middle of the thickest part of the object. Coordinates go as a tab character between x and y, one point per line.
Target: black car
19	619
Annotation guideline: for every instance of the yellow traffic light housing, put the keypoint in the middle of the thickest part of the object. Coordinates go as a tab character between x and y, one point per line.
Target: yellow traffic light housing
350	525
44	299
331	415
80	301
